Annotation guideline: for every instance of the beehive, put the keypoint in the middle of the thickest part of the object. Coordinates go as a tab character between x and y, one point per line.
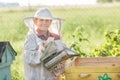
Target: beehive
7	55
91	68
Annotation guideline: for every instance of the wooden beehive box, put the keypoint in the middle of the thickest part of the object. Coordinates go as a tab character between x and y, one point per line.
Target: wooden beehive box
91	68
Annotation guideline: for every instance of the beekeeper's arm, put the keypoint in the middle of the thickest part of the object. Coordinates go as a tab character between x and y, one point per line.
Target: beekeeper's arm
32	52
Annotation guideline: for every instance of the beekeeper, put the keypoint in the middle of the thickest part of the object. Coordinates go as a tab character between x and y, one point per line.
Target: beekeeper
43	29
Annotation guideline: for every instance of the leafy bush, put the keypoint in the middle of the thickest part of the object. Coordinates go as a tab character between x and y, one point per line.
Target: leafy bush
17	68
111	47
77	37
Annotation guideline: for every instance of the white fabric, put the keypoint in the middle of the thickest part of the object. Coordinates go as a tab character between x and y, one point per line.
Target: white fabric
44	13
34	69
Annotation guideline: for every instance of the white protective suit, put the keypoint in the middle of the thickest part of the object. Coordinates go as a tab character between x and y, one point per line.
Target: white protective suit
34	68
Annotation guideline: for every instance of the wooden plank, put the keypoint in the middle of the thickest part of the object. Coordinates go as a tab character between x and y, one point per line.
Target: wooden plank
103	61
91	69
97	64
99	59
94	67
92	76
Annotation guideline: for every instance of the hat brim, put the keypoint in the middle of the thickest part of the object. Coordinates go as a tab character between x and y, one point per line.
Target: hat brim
30	23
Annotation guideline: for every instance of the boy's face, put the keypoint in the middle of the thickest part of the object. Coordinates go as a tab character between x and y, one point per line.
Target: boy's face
42	24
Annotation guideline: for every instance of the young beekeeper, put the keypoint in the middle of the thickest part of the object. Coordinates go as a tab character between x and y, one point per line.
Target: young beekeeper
43	29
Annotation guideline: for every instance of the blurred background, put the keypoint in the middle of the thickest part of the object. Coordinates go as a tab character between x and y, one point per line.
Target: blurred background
91	27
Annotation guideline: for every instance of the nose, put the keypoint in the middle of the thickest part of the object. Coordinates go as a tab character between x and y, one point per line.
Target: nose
45	21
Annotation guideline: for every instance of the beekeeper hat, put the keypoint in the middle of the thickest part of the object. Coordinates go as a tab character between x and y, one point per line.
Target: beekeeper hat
43	13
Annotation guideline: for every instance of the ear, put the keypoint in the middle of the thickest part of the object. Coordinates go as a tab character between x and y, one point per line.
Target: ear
35	20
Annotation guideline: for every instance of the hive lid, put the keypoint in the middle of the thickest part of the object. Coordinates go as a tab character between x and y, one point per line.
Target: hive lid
3	46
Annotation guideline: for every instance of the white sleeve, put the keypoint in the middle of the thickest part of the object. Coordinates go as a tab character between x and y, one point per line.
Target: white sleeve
32	53
60	45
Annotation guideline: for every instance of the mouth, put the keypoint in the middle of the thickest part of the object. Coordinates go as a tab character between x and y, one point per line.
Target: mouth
44	27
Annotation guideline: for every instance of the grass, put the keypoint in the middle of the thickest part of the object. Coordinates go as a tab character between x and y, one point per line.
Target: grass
94	21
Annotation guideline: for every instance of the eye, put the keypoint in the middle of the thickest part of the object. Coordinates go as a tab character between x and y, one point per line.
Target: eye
41	20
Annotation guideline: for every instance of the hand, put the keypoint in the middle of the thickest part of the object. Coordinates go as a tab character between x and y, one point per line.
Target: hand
49	40
41	47
59	69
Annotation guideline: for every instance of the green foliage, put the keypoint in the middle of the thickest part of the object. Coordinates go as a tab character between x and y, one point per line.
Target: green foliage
111	47
77	38
17	69
92	22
